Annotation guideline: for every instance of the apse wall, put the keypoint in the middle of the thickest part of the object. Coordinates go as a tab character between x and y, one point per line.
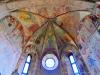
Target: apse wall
11	46
8	56
10	49
89	39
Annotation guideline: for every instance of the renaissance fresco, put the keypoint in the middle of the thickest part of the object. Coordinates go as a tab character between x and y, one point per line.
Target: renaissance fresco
66	33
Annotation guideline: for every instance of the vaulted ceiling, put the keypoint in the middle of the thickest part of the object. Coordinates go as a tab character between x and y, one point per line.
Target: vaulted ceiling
38	22
43	10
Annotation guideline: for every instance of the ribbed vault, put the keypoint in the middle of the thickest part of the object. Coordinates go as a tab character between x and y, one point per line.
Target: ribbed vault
42	27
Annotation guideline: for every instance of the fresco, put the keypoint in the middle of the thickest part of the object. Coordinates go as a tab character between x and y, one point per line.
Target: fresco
64	68
87	26
10	53
91	46
44	26
94	57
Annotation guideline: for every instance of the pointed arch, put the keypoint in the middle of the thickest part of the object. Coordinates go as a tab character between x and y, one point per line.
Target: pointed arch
27	65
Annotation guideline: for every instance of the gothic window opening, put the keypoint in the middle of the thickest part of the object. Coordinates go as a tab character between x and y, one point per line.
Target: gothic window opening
74	65
27	65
